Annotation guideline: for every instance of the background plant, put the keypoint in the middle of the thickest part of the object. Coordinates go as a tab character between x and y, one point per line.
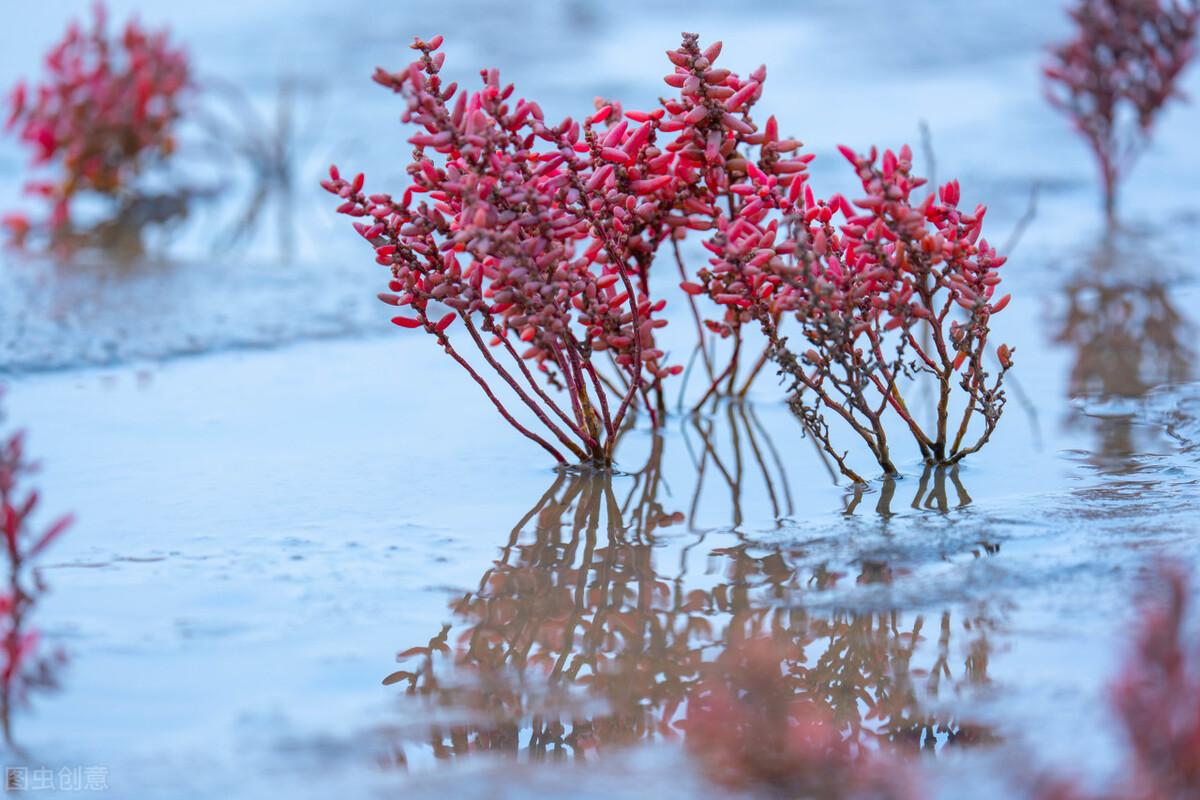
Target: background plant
103	114
1116	75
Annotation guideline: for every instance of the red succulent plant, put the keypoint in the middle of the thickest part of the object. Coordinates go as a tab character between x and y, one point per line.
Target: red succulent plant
546	234
884	289
1118	73
20	666
537	238
1157	698
104	112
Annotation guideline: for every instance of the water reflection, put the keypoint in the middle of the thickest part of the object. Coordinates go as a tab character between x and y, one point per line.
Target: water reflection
118	240
601	620
1127	337
263	149
731	448
937	489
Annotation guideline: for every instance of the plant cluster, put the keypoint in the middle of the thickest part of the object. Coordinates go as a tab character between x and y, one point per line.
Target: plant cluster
884	290
546	234
538	238
21	668
1118	73
560	237
104	112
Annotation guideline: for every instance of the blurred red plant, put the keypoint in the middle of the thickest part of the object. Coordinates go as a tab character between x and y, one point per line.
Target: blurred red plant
1117	74
750	730
1157	698
21	668
104	112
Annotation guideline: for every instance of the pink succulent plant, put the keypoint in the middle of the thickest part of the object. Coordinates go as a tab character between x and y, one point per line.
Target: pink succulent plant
1118	73
884	289
21	668
537	240
105	111
540	239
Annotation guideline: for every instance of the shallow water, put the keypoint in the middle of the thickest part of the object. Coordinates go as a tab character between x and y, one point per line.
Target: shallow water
265	523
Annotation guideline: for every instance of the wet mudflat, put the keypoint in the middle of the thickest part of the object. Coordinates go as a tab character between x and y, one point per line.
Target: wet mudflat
277	495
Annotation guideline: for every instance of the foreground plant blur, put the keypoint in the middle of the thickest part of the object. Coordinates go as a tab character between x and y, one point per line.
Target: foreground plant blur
1157	698
104	114
1117	75
21	669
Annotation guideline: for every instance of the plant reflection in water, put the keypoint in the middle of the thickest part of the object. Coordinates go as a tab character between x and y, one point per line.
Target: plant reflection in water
593	629
1122	323
1128	338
